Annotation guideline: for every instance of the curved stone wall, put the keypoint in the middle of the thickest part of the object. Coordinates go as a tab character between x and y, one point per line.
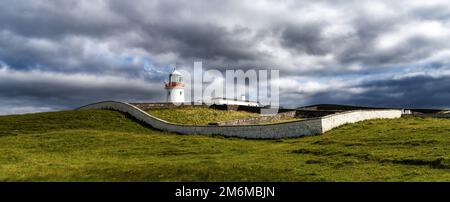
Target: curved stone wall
335	120
269	131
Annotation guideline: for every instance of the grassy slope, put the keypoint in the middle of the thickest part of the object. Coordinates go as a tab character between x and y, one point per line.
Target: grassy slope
97	145
198	115
204	116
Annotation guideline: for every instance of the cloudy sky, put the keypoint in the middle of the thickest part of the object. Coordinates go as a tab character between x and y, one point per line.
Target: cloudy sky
63	54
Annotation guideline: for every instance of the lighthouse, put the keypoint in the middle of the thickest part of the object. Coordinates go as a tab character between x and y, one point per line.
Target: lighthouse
175	87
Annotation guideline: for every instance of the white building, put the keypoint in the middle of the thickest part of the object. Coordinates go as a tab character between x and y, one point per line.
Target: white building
175	87
228	101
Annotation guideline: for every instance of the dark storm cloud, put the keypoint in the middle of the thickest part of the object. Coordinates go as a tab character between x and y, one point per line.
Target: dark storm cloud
305	39
417	91
60	43
71	25
411	92
205	41
410	25
23	91
56	19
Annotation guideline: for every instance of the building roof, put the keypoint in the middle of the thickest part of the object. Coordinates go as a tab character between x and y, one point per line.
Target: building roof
176	72
221	98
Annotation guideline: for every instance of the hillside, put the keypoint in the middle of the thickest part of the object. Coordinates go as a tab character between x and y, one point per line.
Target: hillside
101	145
191	115
198	115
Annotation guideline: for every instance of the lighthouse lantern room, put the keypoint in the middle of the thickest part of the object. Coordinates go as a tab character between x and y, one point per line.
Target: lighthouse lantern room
175	87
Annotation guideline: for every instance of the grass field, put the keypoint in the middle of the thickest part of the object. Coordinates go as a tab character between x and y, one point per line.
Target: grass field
198	115
101	145
204	116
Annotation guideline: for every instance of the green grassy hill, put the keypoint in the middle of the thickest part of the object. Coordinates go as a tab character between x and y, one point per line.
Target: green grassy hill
198	115
192	115
101	145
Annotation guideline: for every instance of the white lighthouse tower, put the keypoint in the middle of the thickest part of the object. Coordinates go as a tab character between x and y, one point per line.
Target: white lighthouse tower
175	87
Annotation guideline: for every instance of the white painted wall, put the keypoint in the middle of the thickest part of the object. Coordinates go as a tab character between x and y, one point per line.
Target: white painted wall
233	102
175	95
334	120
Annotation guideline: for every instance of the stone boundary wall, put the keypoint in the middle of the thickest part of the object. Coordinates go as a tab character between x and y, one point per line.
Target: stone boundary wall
334	120
269	131
300	128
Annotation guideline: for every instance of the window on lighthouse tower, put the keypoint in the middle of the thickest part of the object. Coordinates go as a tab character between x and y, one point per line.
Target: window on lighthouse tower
176	78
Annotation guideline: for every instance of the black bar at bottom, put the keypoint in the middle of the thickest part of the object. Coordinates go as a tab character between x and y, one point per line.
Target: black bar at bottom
224	191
